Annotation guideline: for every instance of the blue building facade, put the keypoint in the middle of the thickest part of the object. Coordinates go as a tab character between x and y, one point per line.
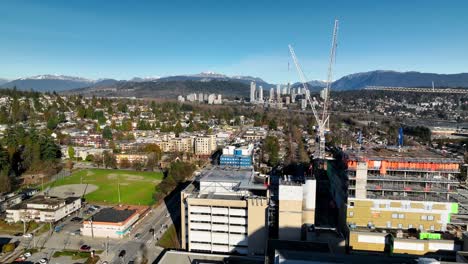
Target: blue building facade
235	160
237	157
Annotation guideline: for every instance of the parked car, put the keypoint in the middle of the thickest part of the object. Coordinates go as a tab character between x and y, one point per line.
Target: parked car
76	219
137	236
44	261
122	253
28	235
85	248
27	254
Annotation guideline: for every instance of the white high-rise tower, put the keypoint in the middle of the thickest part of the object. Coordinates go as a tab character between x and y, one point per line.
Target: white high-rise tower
260	94
278	92
272	94
252	92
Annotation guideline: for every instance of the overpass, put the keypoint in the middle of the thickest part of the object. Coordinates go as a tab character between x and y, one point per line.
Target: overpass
417	90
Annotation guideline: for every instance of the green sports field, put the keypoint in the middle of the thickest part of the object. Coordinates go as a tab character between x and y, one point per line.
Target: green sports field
136	188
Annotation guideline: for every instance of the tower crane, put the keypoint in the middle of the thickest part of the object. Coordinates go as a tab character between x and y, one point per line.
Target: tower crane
323	119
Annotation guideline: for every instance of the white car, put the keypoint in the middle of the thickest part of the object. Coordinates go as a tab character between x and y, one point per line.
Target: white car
43	261
28	235
27	254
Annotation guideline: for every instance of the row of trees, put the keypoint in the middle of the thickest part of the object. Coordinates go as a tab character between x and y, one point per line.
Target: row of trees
177	173
26	151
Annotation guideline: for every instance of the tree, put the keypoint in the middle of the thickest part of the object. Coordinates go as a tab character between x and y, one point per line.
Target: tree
107	133
69	165
5	181
271	147
109	160
71	152
153	161
98	160
124	163
137	165
8	247
90	157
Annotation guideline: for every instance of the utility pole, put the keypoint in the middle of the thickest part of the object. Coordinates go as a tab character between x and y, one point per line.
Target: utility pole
92	231
118	187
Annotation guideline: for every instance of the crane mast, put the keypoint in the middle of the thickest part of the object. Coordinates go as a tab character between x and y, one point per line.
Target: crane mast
321	121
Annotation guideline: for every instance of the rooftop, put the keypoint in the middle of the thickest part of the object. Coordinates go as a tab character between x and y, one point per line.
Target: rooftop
113	215
190	257
245	177
408	154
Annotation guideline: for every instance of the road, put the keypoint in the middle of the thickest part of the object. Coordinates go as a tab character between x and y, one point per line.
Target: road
146	245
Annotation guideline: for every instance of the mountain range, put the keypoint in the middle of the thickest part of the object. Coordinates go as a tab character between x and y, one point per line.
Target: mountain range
220	83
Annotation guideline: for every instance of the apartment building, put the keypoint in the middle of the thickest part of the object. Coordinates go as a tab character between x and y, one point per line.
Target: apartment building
43	209
226	213
143	158
204	145
176	144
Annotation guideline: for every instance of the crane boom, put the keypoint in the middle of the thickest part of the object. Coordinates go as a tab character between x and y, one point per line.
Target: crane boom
330	70
321	122
299	69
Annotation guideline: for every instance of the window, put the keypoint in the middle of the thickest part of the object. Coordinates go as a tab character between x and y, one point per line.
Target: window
401	216
432	228
430	217
351	214
389	224
410	226
424	217
394	216
400	226
428	207
421	227
351	204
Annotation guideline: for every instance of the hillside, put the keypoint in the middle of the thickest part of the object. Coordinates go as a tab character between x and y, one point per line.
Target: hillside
168	89
400	79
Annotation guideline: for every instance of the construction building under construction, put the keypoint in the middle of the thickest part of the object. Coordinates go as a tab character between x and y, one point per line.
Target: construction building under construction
416	174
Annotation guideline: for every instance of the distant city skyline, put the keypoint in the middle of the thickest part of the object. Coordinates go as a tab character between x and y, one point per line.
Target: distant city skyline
123	40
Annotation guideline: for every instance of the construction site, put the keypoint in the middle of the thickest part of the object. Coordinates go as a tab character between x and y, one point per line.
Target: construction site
417	174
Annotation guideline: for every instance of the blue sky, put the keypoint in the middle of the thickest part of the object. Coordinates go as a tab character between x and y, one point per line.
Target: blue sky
123	39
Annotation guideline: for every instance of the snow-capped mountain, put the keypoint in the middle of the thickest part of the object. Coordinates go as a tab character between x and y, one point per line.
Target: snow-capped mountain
49	82
145	79
57	77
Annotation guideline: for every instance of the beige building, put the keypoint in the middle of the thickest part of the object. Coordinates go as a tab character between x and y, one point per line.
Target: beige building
223	215
179	144
205	145
296	208
43	209
143	158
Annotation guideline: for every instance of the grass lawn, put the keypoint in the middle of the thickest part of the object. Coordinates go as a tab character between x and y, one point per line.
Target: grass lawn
169	238
136	187
13	228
